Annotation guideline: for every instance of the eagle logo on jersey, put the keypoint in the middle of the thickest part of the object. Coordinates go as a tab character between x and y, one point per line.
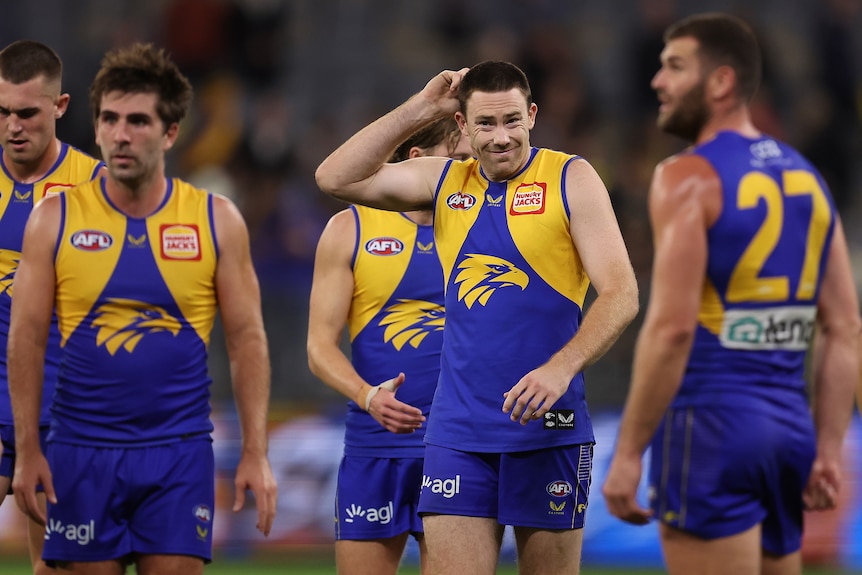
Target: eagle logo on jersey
410	320
482	275
124	322
9	264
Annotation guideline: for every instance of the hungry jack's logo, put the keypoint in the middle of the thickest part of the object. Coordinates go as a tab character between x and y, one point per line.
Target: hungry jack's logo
410	321
482	275
529	199
125	322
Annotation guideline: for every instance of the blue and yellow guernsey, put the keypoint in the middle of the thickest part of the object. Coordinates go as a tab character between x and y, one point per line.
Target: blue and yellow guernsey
135	302
515	288
72	167
395	324
767	253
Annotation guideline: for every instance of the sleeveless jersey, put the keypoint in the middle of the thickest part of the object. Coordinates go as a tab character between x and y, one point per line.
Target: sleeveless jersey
135	303
515	288
73	167
395	324
767	254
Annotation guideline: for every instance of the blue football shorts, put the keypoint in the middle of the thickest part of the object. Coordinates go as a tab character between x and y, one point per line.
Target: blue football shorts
717	471
7	459
544	489
112	502
376	497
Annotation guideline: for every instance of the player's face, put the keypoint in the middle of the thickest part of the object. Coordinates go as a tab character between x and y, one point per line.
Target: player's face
28	116
498	126
132	137
679	84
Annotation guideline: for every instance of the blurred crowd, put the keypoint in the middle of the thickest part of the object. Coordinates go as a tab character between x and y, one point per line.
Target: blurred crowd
280	83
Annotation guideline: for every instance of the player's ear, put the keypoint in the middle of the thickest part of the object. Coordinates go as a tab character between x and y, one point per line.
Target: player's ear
531	114
61	105
171	136
415	152
721	82
461	120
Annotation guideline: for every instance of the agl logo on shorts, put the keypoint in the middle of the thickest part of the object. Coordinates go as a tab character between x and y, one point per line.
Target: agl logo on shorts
82	533
448	488
382	515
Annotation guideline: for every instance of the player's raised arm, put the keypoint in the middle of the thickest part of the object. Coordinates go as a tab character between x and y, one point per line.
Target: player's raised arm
32	308
358	170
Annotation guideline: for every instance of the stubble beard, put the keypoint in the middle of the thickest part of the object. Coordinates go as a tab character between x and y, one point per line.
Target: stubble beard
689	117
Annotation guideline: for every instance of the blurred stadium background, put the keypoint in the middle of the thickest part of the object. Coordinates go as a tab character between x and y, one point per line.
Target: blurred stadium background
280	83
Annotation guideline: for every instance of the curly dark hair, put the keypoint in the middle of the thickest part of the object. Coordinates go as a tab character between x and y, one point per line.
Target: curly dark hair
143	68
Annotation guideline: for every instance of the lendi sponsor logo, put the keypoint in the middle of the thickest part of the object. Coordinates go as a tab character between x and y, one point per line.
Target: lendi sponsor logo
785	328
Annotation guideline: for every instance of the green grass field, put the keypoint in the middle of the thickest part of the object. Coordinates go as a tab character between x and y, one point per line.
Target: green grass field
289	565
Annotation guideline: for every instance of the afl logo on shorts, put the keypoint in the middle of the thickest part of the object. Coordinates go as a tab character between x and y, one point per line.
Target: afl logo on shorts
559	488
202	513
460	201
384	246
91	240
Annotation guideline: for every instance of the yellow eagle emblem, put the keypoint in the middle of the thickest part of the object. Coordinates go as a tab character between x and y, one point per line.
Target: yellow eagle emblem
410	320
124	322
8	266
482	275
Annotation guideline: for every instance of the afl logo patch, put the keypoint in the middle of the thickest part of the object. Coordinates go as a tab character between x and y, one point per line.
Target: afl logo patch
460	201
202	513
91	240
559	488
180	242
384	246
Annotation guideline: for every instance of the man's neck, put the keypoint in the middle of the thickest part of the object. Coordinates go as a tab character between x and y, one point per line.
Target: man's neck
137	201
37	169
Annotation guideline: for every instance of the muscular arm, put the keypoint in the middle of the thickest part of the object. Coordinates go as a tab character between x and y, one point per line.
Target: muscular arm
358	170
684	196
600	244
32	307
331	297
835	369
239	304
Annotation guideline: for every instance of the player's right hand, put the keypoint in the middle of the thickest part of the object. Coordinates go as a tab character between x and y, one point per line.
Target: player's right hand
394	415
824	484
30	471
620	490
442	90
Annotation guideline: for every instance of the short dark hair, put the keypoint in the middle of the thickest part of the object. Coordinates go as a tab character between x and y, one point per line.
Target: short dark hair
493	76
445	130
24	60
142	68
724	40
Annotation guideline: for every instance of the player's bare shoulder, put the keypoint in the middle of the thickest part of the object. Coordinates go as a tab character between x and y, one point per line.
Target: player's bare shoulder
685	178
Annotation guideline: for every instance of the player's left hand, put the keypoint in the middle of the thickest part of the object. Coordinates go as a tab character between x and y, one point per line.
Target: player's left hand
620	490
254	473
535	393
824	483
